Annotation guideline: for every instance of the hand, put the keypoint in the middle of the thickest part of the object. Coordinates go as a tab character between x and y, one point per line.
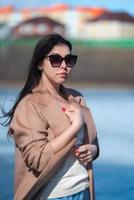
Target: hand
86	153
76	116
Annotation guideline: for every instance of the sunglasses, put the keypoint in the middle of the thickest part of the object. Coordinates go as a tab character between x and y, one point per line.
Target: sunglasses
56	60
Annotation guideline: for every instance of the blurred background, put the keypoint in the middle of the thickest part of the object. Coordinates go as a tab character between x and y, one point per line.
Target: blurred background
102	34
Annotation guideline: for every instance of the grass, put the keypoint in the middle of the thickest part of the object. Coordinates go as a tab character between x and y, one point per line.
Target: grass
118	43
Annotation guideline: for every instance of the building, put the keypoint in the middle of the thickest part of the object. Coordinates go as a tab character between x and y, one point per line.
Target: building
84	23
109	25
4	31
37	26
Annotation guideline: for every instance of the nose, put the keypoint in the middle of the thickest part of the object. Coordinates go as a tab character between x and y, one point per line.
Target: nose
63	64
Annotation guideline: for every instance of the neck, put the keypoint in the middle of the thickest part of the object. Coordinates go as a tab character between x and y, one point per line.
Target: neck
53	88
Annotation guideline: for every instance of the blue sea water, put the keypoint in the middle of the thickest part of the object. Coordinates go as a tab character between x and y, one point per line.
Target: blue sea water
113	112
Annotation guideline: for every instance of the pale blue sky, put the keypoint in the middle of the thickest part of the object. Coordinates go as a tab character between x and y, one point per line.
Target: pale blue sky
115	5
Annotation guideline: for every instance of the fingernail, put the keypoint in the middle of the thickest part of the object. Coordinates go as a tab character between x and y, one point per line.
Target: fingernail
77	151
63	109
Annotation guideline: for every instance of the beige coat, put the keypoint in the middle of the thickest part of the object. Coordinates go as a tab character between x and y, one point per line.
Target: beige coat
38	119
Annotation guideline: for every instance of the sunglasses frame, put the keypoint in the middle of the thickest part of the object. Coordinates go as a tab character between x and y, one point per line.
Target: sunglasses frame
50	57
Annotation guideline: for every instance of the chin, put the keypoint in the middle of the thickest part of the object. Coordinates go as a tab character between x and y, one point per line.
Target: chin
61	81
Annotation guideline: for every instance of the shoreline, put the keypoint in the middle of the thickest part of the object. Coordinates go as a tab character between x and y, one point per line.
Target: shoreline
82	85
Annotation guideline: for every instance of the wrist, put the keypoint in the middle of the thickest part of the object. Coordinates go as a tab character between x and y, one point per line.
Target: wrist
76	127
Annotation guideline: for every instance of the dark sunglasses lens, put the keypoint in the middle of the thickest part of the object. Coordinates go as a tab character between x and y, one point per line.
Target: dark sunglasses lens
70	60
55	60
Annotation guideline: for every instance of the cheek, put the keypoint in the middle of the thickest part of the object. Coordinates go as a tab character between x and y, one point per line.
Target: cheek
49	70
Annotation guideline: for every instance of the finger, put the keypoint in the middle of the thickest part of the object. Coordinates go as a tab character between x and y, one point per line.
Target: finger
70	109
83	148
83	155
88	159
73	108
75	105
68	114
65	109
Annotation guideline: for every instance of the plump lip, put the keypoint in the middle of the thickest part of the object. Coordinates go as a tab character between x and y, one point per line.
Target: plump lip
62	74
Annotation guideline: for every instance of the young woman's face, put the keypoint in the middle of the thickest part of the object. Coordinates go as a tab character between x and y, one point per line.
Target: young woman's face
54	70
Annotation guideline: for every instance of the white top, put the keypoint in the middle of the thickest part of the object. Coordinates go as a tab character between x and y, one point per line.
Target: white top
70	179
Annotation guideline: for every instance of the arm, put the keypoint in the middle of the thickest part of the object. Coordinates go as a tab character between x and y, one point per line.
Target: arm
76	119
30	133
90	150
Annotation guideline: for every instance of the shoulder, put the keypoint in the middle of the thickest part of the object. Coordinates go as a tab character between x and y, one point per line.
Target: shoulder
74	92
33	104
71	91
77	95
25	101
35	99
24	105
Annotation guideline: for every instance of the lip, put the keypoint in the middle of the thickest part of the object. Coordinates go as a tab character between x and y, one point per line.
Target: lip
62	74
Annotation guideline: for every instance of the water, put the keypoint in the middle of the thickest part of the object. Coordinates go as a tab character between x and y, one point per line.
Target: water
113	111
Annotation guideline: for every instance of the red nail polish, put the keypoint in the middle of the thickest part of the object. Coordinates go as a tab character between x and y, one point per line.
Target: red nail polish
77	151
63	109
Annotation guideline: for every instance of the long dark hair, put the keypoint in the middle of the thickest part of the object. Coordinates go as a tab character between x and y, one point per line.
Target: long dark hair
42	48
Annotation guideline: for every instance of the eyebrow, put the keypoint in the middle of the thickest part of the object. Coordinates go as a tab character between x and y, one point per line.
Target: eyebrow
59	54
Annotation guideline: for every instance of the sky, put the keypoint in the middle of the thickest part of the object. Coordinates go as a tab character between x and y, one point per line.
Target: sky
114	5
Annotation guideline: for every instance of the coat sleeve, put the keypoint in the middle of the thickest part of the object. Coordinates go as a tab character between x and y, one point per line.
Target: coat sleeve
30	133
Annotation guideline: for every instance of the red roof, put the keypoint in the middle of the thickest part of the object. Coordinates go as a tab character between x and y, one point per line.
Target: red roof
118	16
6	9
40	19
94	11
56	7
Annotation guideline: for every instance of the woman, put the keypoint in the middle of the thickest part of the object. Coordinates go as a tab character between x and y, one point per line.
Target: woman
53	130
